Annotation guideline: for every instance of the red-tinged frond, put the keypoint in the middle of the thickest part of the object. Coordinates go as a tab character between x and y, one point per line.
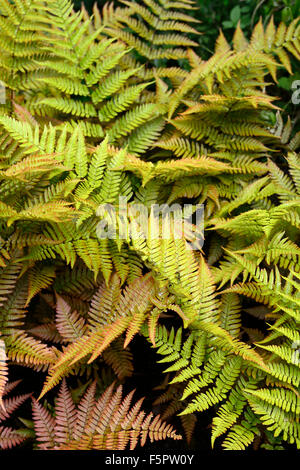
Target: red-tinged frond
143	427
111	424
70	325
134	417
136	297
10	438
11	386
121	412
12	404
132	425
85	410
103	410
65	415
44	426
3	372
159	430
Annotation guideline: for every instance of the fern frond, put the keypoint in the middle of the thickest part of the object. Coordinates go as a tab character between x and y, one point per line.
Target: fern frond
44	425
125	315
108	423
69	324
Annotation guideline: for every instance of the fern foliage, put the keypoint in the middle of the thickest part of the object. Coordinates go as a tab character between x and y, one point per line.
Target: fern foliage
109	120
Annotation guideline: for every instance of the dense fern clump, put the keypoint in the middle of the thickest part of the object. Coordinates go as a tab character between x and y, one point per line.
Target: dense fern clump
117	108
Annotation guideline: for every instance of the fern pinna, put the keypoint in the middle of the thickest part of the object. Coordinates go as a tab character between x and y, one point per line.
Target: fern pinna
118	108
